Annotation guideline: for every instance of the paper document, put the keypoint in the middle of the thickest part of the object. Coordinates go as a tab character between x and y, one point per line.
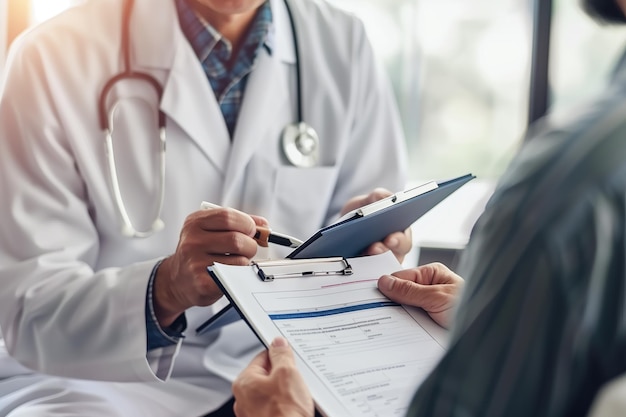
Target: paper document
360	353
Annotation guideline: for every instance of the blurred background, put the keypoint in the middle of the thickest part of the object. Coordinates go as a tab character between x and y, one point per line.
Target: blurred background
461	73
460	70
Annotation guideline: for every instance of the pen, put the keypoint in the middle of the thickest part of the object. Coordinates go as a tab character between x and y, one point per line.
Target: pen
264	235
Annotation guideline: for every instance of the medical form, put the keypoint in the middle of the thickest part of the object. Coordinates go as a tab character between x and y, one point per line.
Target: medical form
360	353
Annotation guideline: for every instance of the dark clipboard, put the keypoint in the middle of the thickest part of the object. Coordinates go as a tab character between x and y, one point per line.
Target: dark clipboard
350	237
225	316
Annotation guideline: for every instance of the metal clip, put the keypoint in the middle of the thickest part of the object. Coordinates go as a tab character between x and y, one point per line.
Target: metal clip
293	268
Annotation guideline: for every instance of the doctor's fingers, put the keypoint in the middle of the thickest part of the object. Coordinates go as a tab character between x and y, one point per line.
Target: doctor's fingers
224	219
260	220
228	232
400	243
233	248
365	199
377	194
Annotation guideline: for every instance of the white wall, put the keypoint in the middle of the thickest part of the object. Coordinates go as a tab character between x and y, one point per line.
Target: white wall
3	32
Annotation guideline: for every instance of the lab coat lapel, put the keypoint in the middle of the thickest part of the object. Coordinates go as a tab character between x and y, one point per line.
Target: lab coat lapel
187	95
263	98
264	102
189	100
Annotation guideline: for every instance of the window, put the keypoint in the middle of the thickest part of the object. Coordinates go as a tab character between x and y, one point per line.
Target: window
44	9
460	74
583	55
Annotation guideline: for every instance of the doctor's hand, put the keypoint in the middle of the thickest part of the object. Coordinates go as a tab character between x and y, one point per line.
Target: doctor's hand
222	235
271	386
399	243
433	287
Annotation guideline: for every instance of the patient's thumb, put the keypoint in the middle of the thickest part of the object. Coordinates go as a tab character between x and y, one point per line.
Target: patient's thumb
280	353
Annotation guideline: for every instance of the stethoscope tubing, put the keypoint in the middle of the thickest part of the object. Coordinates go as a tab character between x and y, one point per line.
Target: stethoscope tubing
295	132
296	52
105	119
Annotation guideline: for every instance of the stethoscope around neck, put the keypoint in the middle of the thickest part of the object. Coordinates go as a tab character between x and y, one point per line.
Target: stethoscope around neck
299	141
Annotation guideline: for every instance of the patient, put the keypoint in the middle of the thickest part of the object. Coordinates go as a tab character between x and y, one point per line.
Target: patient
541	324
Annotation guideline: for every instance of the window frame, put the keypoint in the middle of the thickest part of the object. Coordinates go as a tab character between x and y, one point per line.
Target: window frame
538	100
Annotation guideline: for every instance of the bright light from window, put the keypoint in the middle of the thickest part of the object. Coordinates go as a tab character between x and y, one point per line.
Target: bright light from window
45	9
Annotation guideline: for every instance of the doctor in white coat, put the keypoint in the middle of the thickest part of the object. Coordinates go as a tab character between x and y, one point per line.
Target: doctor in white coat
76	294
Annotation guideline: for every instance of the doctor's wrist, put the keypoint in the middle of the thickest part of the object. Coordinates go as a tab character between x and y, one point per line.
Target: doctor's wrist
166	306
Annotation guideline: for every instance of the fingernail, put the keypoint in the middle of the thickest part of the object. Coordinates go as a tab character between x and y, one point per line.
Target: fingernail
279	342
386	282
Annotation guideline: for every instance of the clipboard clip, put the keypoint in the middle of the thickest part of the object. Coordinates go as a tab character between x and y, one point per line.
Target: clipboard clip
294	268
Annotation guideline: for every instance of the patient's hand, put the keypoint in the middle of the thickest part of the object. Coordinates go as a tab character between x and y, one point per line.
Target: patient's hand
433	287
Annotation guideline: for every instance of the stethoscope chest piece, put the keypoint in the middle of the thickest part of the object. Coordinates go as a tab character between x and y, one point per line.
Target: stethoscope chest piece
301	145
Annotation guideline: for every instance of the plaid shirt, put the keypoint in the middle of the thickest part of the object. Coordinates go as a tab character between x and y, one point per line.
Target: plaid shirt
228	77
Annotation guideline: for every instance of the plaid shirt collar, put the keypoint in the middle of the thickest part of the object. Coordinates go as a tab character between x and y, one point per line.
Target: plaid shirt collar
205	40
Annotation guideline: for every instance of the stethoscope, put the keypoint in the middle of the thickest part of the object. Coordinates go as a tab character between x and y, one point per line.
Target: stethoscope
299	141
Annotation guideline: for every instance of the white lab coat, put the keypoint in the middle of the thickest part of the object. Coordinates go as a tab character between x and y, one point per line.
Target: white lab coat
72	288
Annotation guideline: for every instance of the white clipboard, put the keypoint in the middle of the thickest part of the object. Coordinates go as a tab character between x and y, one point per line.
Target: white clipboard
344	332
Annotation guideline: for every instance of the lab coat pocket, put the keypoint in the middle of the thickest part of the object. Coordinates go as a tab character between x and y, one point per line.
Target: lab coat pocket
302	198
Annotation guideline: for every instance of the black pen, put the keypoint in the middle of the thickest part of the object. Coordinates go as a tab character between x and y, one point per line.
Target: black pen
264	235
